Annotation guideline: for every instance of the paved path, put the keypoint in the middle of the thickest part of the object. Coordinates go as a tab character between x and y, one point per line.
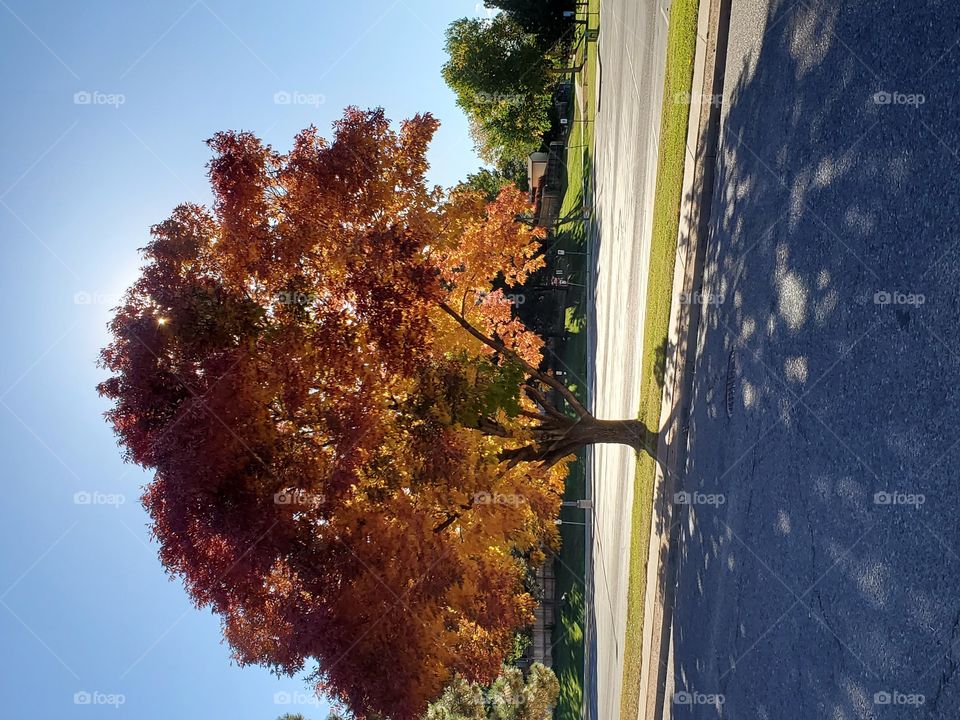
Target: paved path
809	593
632	52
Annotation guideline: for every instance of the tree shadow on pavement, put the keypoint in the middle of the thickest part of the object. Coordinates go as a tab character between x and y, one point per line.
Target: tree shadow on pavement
818	567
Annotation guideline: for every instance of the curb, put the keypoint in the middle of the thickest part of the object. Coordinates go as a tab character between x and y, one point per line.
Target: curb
703	135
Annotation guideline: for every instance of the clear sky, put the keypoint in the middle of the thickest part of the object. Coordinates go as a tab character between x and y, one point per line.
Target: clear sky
106	105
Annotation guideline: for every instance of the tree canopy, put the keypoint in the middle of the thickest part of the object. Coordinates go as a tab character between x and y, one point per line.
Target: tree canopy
354	451
502	80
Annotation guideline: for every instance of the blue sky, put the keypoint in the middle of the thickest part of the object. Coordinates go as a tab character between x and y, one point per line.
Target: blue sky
106	107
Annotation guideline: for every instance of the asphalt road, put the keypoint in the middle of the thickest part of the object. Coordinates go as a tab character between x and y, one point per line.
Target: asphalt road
819	568
632	52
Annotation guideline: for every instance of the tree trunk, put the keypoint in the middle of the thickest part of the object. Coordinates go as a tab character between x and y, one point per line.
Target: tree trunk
591	431
557	438
563	71
557	435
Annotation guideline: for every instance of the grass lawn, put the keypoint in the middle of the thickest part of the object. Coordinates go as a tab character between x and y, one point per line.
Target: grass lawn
681	44
568	633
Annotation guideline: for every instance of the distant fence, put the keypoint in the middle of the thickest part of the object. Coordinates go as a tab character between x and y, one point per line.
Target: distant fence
541	645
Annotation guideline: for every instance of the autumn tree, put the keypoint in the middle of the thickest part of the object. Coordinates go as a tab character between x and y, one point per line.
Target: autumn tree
354	447
512	696
502	80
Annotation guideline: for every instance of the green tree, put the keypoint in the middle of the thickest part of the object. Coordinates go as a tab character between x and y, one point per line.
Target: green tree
515	170
486	181
512	696
503	82
543	18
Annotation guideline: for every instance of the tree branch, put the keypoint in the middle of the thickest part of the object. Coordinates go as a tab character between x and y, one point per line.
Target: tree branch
532	371
540	399
535	415
453	517
491	427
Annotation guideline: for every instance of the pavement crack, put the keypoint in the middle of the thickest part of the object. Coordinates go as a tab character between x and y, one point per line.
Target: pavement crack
841	655
738	612
951	670
813	541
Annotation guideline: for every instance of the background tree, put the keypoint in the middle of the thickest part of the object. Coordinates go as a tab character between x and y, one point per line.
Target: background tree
502	80
511	697
354	451
514	170
487	182
542	18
